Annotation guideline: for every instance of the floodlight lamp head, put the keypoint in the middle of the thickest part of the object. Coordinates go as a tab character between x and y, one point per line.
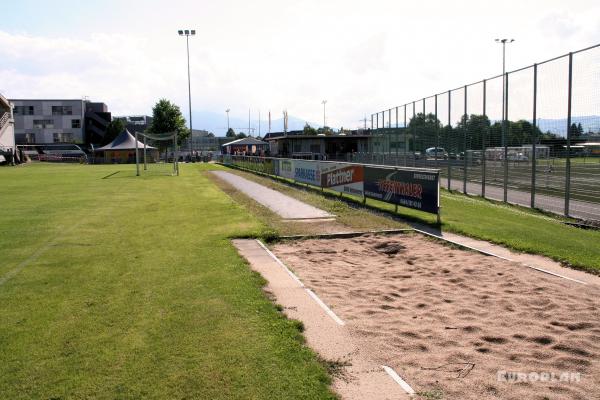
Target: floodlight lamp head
187	32
193	32
180	32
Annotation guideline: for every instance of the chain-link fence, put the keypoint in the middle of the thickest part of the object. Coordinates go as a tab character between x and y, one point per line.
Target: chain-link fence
529	137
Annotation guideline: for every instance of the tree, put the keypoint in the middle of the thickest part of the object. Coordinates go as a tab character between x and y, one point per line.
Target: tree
114	128
325	131
230	133
167	117
425	128
210	134
309	130
241	135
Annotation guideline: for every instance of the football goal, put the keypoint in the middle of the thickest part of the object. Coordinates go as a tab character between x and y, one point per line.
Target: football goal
156	153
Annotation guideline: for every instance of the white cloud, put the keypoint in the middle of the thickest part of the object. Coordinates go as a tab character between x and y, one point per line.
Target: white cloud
267	54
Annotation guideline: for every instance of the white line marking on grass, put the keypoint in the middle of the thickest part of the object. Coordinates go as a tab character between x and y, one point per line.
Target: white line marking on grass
501	257
324	307
399	380
278	261
310	292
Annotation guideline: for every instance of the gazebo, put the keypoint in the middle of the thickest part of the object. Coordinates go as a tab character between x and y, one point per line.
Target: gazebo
122	150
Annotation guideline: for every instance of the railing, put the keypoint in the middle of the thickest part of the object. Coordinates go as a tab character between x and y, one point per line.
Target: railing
4	119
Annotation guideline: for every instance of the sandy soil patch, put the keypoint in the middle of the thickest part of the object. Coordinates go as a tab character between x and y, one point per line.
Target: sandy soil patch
448	320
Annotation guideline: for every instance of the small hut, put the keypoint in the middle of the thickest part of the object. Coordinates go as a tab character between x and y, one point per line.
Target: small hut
122	150
246	146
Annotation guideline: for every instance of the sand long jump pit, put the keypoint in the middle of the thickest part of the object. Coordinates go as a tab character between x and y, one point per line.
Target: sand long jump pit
457	324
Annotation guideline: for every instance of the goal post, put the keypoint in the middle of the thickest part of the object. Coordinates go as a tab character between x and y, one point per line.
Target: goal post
160	137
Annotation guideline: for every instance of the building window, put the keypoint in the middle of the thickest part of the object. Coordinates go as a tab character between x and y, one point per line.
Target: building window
62	110
75	123
30	138
43	123
315	148
23	110
63	137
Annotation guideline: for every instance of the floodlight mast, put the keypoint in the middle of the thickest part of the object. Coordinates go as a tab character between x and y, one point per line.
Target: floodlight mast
187	33
504	114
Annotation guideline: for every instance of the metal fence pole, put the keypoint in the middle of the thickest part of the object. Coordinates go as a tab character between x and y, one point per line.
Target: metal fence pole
483	139
371	121
377	120
390	118
568	165
437	133
449	130
414	132
534	138
465	165
396	117
406	143
423	134
504	137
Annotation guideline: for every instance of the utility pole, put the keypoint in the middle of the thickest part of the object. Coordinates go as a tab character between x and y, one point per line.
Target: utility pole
227	111
324	120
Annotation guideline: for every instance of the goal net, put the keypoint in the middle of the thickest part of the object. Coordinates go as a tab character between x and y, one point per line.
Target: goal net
157	154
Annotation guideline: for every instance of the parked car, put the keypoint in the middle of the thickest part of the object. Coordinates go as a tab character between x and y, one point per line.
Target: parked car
436	152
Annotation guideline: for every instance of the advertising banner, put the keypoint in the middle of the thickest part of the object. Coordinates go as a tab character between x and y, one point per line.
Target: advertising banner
286	168
342	177
307	172
413	189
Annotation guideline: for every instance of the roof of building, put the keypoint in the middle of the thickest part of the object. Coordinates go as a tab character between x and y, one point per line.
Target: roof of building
245	142
125	141
319	137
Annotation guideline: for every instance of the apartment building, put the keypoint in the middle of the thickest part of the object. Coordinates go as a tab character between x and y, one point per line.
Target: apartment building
59	121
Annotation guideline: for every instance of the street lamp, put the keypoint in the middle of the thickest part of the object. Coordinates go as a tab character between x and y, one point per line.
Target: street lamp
187	33
227	111
504	113
324	123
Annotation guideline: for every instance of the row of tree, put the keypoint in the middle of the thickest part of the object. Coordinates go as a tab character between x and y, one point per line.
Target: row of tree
475	128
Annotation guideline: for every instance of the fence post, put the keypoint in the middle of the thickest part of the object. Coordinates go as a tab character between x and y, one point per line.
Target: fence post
396	117
534	139
406	142
568	165
437	133
371	121
450	125
390	118
504	136
465	164
422	139
483	139
414	132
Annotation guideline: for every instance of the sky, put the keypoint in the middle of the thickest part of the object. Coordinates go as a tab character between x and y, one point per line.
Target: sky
360	56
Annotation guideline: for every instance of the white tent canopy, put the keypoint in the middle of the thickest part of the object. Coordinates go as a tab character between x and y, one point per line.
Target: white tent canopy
125	141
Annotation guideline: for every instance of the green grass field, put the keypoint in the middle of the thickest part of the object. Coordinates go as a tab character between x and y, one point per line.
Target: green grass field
128	288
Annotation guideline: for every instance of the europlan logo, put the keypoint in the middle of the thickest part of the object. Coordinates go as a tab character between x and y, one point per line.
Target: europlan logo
537	376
